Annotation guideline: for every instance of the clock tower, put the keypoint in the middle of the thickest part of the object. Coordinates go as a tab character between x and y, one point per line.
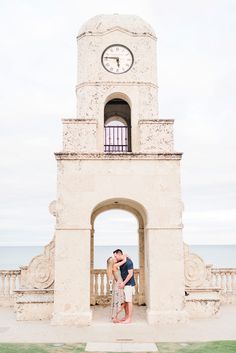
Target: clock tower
118	153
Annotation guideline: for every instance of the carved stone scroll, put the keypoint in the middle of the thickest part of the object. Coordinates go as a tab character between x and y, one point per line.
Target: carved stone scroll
39	274
194	269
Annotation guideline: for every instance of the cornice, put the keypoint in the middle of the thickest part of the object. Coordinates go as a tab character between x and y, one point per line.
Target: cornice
115	29
118	156
114	83
79	121
156	121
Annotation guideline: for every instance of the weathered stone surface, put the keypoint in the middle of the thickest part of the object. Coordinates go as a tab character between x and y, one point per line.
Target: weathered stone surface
34	304
39	274
203	302
156	136
194	268
79	135
144	181
101	24
53	208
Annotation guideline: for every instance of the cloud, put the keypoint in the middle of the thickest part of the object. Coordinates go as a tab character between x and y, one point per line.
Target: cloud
196	77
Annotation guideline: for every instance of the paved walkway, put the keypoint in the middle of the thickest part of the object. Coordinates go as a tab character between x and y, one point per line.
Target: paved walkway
222	327
120	347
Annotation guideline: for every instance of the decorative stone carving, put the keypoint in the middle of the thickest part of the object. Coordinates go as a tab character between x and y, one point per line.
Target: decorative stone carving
101	24
39	274
156	136
194	269
203	299
53	208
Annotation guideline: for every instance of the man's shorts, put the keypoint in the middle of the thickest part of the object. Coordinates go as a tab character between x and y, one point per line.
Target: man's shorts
129	292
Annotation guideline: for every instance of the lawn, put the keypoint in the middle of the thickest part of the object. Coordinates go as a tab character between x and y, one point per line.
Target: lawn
41	348
196	347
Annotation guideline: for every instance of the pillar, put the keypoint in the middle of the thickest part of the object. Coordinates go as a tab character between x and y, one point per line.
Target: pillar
165	276
72	277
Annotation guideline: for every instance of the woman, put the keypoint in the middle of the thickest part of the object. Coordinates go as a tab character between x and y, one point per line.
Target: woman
118	297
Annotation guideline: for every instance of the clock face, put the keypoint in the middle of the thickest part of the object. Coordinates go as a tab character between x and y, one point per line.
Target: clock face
117	59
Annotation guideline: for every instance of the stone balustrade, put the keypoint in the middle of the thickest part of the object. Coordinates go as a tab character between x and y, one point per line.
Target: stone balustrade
225	278
101	287
9	281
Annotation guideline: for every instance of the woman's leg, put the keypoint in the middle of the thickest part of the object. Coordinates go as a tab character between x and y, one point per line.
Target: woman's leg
115	319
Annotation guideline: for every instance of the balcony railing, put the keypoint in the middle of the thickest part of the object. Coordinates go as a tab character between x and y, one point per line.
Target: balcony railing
116	139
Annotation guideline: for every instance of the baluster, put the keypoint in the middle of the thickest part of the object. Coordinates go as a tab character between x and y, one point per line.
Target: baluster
19	280
7	288
218	280
233	280
102	284
223	287
136	282
2	283
96	285
228	284
91	282
13	283
107	285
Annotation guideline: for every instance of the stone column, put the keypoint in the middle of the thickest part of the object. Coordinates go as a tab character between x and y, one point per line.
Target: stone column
165	272
72	277
92	294
141	267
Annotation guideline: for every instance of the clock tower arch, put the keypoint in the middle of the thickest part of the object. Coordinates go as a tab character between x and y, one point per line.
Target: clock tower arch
117	90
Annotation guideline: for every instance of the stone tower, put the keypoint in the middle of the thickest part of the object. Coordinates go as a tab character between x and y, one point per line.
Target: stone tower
118	153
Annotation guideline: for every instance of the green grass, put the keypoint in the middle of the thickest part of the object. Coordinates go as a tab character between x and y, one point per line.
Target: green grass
198	347
41	348
195	347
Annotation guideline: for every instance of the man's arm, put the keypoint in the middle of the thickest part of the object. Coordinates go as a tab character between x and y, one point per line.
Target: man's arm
130	274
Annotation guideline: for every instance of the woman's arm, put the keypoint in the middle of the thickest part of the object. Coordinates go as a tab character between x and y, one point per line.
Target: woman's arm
120	263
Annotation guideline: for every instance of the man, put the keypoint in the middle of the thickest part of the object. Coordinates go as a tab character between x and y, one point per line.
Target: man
127	274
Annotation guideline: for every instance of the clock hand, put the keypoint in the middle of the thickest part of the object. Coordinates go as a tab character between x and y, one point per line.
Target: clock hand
111	57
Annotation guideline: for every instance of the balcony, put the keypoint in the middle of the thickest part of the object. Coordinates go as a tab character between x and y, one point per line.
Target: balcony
116	139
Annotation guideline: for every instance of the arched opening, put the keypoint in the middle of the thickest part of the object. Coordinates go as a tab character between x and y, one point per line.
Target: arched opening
115	226
117	126
115	229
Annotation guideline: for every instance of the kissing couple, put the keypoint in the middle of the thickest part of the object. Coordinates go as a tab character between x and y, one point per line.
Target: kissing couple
120	270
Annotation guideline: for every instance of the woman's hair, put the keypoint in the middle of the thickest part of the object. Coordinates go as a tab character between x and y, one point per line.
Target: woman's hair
110	263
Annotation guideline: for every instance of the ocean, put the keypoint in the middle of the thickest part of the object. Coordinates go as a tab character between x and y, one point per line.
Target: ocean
11	257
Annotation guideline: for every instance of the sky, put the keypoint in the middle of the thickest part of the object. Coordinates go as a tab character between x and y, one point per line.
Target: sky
196	77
